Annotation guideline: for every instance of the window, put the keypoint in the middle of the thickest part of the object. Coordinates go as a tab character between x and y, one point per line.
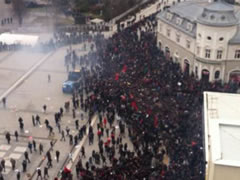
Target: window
179	21
160	27
221	39
217	74
219	54
196	70
177	37
207	53
169	16
160	45
168	32
209	38
188	44
237	54
198	50
189	26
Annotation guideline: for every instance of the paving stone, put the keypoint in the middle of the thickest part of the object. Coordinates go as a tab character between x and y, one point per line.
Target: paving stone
8	163
20	149
6	171
15	156
5	147
2	154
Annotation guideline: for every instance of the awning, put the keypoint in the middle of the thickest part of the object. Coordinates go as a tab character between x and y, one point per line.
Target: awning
97	21
8	38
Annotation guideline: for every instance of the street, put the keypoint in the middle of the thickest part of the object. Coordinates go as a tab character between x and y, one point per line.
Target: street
27	100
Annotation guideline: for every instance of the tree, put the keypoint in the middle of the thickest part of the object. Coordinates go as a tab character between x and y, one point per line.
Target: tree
113	8
61	5
132	3
82	5
19	10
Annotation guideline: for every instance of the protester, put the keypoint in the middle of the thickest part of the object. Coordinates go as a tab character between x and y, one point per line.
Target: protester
128	81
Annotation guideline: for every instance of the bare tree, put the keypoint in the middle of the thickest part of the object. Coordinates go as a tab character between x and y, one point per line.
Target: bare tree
61	6
19	10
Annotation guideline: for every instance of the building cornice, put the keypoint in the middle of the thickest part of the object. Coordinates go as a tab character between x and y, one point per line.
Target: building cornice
210	61
193	35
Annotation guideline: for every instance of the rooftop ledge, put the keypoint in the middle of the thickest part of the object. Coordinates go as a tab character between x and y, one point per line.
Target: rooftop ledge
225	162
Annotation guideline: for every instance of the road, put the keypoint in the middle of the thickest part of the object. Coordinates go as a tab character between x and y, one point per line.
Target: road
27	99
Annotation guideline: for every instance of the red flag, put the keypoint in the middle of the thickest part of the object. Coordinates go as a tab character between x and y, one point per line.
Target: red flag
134	105
131	96
155	121
149	111
123	97
124	68
162	173
105	121
194	143
117	76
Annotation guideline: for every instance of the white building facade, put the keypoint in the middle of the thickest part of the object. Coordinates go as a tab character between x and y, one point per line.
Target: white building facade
204	37
222	136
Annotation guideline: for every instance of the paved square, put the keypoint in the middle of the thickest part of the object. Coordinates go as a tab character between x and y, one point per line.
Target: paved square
20	149
2	154
8	163
15	156
5	147
7	171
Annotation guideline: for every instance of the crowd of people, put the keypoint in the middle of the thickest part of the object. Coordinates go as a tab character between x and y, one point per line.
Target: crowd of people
128	81
160	105
5	21
67	37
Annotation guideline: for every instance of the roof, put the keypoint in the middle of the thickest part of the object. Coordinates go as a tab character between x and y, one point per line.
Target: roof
218	13
212	14
97	21
222	128
70	83
236	38
8	38
188	11
219	6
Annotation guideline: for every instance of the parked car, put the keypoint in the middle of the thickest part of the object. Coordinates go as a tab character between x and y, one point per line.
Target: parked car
69	86
73	81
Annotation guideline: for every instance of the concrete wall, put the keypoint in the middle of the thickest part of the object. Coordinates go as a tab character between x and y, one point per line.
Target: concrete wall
178	53
226	173
197	61
203	32
231	65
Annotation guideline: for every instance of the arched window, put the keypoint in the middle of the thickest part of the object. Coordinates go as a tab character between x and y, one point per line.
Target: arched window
167	50
186	67
205	75
167	53
234	76
160	45
217	75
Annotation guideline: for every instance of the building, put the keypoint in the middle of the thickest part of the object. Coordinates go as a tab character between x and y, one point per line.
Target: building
204	37
222	135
